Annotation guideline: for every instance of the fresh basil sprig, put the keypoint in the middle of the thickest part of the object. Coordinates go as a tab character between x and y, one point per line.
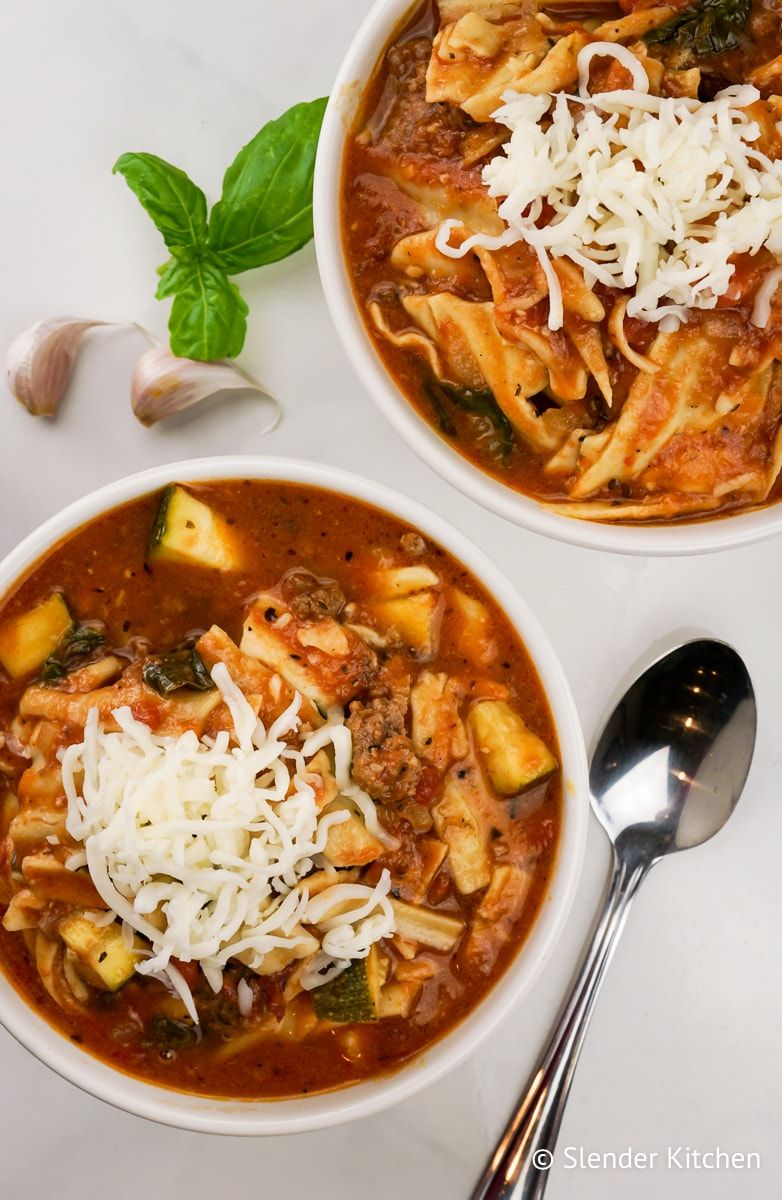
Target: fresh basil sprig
263	215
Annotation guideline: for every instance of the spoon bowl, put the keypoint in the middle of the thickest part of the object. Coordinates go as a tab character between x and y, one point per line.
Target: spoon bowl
673	758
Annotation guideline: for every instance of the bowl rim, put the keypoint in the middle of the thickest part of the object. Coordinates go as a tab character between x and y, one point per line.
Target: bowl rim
203	1114
693	537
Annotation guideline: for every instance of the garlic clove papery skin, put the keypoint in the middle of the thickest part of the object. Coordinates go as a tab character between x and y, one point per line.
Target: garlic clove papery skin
40	362
163	385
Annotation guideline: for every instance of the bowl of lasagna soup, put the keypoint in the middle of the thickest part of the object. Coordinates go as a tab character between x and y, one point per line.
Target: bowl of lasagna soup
550	236
293	795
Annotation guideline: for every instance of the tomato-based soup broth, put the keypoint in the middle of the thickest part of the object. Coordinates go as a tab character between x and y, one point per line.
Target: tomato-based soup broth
602	399
281	789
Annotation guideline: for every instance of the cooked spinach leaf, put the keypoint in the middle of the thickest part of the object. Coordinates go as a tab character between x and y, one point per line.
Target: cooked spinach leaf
435	393
79	642
708	27
264	214
169	1033
483	403
52	671
477	401
180	668
83	640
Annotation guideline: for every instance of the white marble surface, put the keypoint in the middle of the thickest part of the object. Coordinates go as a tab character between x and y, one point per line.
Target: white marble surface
686	1047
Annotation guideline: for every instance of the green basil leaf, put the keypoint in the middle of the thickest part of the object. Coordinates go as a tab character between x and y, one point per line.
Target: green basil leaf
174	277
265	212
172	200
209	316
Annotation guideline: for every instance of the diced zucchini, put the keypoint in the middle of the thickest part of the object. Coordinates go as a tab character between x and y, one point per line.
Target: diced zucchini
397	999
514	757
187	530
104	959
458	824
350	844
29	639
355	994
403	581
416	619
439	930
438	732
473	631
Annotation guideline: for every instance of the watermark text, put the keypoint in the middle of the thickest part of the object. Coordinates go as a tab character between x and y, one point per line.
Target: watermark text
670	1158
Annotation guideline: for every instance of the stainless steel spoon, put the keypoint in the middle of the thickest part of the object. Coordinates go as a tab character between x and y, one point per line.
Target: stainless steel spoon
665	775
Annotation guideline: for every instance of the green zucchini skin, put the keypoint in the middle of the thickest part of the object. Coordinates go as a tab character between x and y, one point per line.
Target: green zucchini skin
348	998
187	529
28	640
160	522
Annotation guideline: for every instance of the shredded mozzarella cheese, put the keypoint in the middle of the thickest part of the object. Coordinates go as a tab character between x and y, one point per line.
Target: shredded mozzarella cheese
203	846
761	313
244	997
101	918
651	193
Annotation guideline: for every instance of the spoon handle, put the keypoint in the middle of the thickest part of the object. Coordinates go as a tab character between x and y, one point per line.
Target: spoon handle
525	1150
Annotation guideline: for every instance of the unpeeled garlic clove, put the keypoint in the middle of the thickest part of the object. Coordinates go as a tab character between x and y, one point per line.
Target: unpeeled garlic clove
40	362
163	385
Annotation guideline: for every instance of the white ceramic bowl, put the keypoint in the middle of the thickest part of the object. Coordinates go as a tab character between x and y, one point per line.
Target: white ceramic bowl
289	1116
689	538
